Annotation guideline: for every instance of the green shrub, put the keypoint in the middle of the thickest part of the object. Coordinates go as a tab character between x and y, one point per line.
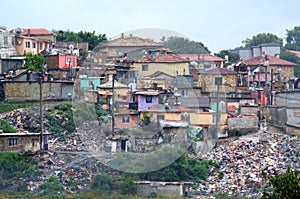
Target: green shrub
6	127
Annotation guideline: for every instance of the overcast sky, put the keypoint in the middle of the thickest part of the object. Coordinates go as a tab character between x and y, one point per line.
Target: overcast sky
218	24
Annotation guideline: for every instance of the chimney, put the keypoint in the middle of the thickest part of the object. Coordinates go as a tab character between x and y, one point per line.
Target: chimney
28	33
122	35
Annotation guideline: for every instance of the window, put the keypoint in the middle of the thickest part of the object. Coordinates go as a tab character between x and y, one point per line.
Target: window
218	65
125	119
215	117
5	40
144	67
34	45
185	93
27	44
148	99
41	46
68	60
12	141
218	81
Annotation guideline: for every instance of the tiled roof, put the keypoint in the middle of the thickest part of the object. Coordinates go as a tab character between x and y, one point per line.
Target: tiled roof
37	31
132	41
191	102
220	71
201	57
297	53
273	61
172	58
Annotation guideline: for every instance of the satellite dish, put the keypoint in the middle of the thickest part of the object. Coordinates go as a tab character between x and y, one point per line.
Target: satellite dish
71	47
193	63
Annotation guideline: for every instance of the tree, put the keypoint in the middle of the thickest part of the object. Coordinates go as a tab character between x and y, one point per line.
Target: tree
126	184
293	39
51	187
292	58
184	46
285	185
34	62
102	182
263	38
90	37
232	57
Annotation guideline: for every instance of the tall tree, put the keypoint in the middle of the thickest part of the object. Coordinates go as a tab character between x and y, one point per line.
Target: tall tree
263	38
293	39
90	37
184	46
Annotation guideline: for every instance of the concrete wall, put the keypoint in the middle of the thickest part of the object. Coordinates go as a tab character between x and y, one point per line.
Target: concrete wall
142	104
243	124
20	91
276	116
10	64
293	115
207	82
206	118
161	189
288	99
249	110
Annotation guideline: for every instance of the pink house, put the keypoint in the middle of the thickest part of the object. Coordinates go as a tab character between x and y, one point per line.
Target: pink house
61	61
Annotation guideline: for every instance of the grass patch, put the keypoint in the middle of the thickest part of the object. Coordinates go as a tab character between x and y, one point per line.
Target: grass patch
10	106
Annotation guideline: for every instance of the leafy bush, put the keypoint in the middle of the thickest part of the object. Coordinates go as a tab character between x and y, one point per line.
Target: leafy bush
6	127
285	185
51	187
15	166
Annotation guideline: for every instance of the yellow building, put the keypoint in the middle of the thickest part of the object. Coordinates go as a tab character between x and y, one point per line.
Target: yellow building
170	64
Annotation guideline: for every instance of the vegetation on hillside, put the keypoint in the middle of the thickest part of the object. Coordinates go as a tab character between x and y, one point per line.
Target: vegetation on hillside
285	185
90	37
182	45
6	127
65	116
10	106
13	167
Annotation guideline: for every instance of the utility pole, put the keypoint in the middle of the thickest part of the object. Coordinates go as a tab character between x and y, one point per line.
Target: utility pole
40	80
113	106
218	82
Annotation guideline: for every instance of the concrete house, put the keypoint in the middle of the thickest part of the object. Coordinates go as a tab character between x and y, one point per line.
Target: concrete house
286	111
146	99
7	43
131	47
21	142
33	40
170	64
261	69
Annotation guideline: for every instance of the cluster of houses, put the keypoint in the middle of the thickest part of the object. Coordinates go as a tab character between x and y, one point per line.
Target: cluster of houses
138	81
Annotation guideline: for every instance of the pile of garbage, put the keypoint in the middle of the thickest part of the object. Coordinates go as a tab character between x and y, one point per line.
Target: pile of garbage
243	161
